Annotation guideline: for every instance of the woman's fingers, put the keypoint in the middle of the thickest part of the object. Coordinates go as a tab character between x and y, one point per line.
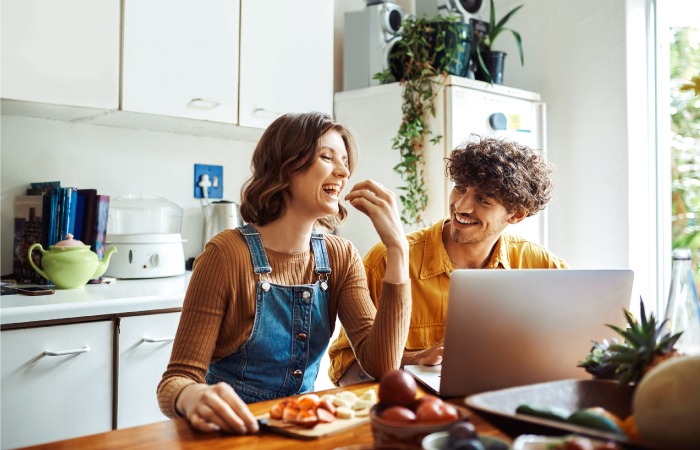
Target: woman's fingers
243	420
218	407
370	197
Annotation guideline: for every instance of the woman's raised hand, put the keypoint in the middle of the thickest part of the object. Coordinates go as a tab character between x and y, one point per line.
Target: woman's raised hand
379	204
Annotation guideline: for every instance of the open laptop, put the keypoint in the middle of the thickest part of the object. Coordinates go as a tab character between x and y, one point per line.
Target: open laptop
508	328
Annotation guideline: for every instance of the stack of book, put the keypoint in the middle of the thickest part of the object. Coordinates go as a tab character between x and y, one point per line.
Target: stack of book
47	214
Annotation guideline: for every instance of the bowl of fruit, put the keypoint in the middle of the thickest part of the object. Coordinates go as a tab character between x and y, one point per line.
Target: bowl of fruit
402	418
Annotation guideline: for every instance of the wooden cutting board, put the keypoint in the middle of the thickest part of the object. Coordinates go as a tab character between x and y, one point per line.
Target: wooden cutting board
320	430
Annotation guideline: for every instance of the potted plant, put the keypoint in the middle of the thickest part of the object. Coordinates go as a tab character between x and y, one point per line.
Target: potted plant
428	50
490	62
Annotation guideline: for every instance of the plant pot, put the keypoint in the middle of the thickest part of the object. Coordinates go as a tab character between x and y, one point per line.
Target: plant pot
457	36
493	60
452	35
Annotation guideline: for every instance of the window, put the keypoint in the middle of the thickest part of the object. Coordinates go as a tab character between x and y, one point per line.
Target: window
678	82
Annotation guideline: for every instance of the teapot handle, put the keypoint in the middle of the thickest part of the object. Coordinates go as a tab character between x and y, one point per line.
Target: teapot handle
31	261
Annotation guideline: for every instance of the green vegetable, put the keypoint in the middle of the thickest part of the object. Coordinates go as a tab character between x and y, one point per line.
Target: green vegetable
589	419
545	412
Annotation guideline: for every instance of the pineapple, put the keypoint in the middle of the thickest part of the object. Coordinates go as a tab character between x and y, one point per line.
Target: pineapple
596	361
646	344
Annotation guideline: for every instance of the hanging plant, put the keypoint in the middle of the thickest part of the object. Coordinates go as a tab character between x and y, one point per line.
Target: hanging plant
428	50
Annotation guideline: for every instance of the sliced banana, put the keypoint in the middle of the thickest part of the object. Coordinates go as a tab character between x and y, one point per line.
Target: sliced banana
369	395
348	396
362	404
362	412
344	412
330	397
341	403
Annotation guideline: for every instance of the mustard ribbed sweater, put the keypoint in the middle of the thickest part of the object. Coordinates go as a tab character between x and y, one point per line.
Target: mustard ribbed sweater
219	309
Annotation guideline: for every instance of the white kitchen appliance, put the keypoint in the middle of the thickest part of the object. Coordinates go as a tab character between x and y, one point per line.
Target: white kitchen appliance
368	38
145	230
463	107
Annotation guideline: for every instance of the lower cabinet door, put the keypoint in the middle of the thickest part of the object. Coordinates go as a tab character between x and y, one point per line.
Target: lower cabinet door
145	343
56	382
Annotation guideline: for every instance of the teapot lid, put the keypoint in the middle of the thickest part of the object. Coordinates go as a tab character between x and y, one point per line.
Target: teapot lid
69	242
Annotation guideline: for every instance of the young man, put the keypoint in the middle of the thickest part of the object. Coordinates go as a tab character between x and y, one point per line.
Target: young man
496	183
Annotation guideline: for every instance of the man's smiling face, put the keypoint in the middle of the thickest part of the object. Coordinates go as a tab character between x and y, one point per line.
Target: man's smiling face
474	217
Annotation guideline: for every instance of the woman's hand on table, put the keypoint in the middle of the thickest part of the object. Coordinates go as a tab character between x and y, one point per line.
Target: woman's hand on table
216	408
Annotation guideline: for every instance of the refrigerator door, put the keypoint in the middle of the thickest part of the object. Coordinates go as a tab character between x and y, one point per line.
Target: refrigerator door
520	119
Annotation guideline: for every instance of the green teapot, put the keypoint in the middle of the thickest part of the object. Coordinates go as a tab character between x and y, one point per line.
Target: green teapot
70	264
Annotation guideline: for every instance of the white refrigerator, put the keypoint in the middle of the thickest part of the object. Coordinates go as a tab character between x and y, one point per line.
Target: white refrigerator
463	107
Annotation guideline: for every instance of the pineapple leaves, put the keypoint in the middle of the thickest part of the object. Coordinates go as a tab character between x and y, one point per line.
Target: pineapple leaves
646	343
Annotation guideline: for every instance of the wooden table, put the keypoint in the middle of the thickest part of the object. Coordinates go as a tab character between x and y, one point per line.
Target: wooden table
177	434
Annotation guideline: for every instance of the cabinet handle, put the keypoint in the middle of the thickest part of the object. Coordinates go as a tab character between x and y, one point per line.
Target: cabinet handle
160	339
267	114
67	352
203	103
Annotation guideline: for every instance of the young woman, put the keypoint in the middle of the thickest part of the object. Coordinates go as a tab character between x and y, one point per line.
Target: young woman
263	298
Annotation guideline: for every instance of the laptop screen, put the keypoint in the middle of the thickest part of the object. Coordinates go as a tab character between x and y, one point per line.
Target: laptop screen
508	328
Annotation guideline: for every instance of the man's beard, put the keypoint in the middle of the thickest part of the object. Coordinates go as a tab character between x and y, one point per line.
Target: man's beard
465	237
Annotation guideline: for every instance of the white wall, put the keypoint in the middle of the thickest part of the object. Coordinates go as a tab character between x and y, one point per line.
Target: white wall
575	57
588	60
115	161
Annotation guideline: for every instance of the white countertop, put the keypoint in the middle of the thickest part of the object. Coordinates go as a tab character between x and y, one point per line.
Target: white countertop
118	297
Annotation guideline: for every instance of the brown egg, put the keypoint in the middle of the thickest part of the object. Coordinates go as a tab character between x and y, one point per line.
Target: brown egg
397	388
398	414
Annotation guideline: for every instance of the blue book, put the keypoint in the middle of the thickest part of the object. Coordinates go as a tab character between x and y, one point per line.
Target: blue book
54	219
71	210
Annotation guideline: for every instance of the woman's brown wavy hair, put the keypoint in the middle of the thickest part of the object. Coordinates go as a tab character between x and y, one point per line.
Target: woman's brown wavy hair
511	173
289	146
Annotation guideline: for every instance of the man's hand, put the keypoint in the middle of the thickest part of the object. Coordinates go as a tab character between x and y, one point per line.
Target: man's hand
217	407
429	357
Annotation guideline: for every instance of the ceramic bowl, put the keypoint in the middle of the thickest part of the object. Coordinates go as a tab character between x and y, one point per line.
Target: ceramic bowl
438	441
403	435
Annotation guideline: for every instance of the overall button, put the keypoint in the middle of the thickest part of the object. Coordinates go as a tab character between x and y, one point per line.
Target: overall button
301	336
297	373
306	295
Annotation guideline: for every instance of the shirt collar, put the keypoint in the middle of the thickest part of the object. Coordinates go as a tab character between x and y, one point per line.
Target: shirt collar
499	257
434	258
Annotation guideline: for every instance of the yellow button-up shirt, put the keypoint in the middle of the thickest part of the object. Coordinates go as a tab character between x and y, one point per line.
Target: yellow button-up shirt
429	270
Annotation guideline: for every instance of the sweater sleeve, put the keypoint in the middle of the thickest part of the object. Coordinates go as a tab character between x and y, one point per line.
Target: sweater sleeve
377	335
202	314
340	352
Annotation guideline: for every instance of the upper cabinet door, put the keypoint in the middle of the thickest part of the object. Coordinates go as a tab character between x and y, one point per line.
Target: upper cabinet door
286	59
61	52
181	58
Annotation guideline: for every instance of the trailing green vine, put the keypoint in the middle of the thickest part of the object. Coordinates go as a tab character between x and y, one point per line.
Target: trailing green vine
419	61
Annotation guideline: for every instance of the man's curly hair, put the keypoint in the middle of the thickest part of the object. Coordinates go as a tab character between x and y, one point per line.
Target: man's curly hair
509	172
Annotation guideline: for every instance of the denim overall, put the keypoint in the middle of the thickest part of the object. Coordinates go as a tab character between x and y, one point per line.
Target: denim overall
290	334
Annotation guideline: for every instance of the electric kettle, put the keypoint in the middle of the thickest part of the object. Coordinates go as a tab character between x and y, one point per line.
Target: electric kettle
219	216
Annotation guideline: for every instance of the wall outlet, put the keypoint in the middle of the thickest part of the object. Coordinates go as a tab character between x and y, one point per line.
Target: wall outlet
215	176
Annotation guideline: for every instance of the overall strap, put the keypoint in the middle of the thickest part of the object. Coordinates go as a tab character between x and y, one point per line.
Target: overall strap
255	246
318	247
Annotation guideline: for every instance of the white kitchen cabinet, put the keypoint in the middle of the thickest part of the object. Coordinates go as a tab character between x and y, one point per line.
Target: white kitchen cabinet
56	382
181	58
286	59
61	52
145	343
